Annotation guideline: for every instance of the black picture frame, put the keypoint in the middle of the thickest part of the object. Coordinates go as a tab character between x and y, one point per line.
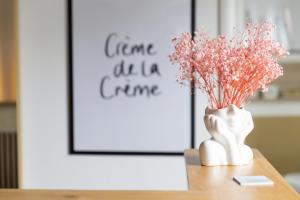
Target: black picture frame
70	97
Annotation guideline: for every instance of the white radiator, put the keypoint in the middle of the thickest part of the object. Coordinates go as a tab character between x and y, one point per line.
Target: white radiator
8	160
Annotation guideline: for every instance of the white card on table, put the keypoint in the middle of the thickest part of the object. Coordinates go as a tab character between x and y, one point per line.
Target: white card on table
252	180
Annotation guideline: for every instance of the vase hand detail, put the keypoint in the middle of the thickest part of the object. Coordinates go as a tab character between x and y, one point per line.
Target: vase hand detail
218	129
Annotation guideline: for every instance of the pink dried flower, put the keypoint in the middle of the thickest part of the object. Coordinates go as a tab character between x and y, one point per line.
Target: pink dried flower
234	69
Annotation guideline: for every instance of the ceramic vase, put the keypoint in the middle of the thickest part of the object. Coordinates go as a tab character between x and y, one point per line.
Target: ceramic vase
228	128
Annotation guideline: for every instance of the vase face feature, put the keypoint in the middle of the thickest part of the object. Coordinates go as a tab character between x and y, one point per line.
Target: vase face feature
228	127
234	119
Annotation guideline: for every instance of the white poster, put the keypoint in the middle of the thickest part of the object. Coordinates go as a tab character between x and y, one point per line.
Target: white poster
124	98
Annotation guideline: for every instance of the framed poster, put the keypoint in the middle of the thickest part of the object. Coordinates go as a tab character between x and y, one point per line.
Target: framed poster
124	98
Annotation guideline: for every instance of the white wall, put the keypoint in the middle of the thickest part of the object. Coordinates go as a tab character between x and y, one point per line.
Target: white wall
207	18
45	162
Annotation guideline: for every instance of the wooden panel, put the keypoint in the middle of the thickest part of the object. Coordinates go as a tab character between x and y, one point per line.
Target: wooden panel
219	179
278	138
8	160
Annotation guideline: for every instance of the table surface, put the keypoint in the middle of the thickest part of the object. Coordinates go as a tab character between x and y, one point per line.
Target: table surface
205	183
218	181
105	195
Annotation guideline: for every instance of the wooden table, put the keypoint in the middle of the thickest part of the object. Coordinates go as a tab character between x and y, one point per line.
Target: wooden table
205	183
218	181
102	195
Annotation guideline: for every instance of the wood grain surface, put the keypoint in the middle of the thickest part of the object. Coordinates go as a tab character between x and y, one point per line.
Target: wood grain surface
205	183
220	179
104	195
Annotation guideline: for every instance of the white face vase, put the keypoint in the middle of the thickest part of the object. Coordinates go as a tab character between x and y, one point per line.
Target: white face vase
228	127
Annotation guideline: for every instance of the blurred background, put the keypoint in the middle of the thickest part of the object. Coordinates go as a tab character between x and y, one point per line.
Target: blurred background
33	101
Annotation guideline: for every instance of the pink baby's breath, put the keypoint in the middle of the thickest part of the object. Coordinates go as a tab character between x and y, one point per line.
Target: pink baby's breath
231	70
